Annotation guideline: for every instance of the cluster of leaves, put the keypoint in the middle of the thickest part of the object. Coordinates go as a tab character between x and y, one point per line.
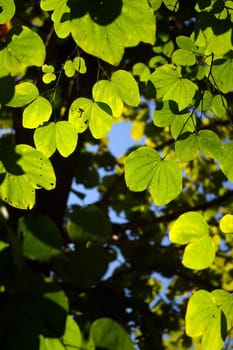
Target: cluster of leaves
69	72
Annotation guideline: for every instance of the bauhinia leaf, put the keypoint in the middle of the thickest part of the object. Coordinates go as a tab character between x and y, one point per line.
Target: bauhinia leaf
145	168
7	10
209	315
226	223
36	113
24	93
24	169
191	229
60	135
170	85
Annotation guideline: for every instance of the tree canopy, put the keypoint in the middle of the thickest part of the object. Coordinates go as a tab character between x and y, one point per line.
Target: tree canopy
148	262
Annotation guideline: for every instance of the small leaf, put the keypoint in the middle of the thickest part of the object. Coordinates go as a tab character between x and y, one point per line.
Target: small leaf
47	68
105	91
72	337
69	69
183	57
187	147
163	114
108	334
222	71
183	123
226	223
142	71
24	94
38	112
209	143
7	10
191	229
186	43
79	113
80	65
48	78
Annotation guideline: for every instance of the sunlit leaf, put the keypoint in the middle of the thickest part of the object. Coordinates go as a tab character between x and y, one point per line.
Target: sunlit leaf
226	223
207	315
186	43
183	123
25	169
24	93
7	10
69	68
226	160
142	71
19	53
170	85
72	337
80	65
36	113
191	229
97	27
144	168
183	57
79	113
100	121
222	71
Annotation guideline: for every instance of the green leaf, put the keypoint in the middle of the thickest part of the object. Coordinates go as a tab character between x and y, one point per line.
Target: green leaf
222	71
170	85
226	160
66	138
89	224
45	139
80	65
226	223
186	43
19	53
209	143
72	338
41	239
126	87
209	315
187	147
183	123
36	113
24	94
172	5
98	27
163	114
183	57
106	92
122	87
100	120
108	334
61	136
24	169
79	113
144	168
219	104
69	69
7	10
142	71
47	68
47	78
191	229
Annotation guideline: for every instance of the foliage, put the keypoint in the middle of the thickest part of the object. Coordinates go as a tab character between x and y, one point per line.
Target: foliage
146	263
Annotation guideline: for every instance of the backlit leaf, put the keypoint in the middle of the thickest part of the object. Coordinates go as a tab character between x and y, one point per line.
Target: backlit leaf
222	71
24	93
36	113
19	53
25	169
144	168
191	229
79	113
80	65
226	160
183	57
170	85
7	10
226	223
100	121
